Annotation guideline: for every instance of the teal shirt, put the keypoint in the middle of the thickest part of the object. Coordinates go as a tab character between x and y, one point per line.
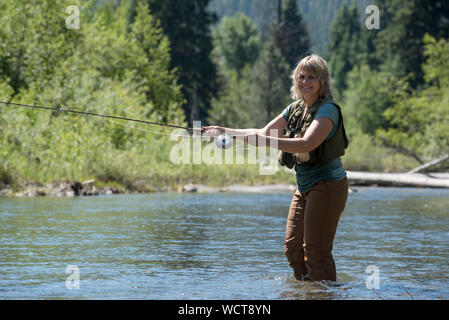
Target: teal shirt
307	176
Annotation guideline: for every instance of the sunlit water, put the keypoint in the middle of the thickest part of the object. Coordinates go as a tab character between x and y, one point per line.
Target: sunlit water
218	246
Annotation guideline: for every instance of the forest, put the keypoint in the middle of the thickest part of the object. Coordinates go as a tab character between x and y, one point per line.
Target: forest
220	62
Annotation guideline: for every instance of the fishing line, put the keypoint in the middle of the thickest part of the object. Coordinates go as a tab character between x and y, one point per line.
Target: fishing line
218	142
62	109
223	141
145	130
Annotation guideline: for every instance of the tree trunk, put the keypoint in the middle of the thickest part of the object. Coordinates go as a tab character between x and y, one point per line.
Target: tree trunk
430	164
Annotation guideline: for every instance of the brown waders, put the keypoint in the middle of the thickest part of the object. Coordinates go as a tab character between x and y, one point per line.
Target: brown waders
311	225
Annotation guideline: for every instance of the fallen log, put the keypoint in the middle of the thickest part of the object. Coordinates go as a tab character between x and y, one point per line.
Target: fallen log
432	180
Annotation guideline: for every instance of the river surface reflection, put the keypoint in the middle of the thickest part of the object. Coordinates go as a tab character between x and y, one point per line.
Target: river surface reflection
218	246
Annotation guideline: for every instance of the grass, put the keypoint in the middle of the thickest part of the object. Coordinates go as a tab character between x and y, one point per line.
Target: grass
150	163
364	154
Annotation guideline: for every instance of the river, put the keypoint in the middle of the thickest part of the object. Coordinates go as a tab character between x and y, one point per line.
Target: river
391	243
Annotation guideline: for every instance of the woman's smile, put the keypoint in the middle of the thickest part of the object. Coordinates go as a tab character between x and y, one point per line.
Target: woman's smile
308	84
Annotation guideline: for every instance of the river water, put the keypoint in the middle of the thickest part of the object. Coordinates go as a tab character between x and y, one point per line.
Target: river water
390	244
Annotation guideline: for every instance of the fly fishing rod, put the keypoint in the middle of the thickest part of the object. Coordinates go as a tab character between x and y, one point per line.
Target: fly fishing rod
222	141
95	114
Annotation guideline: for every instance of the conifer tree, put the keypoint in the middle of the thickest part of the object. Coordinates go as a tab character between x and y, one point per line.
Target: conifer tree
419	118
344	45
236	42
270	83
187	25
400	40
291	34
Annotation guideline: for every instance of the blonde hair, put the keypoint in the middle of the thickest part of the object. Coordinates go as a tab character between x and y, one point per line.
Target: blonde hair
317	66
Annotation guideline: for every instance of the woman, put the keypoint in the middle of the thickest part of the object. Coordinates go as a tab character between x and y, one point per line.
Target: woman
311	138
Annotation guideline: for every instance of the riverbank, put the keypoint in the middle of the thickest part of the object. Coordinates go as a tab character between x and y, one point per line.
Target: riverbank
89	188
59	189
95	188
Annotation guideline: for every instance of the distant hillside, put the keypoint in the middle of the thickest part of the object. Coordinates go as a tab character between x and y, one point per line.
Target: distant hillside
318	14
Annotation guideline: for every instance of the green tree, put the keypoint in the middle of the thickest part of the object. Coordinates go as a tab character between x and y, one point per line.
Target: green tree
270	84
237	45
100	68
291	34
187	26
233	106
368	94
318	15
344	45
236	42
30	50
399	44
419	118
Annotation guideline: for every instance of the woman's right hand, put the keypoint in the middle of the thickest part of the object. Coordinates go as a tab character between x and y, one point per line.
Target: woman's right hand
213	131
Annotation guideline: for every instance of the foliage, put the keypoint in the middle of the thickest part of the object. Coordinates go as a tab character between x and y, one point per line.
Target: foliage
270	84
399	44
252	92
237	46
390	88
233	107
366	98
236	42
30	50
365	153
187	26
291	34
419	118
153	60
104	70
344	45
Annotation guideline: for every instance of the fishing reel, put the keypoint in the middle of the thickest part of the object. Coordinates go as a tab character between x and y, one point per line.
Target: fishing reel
223	141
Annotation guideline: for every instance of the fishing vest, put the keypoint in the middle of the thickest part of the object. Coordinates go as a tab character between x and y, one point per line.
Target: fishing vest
297	127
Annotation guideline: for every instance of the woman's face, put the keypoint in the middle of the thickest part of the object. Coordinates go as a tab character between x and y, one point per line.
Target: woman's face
309	84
